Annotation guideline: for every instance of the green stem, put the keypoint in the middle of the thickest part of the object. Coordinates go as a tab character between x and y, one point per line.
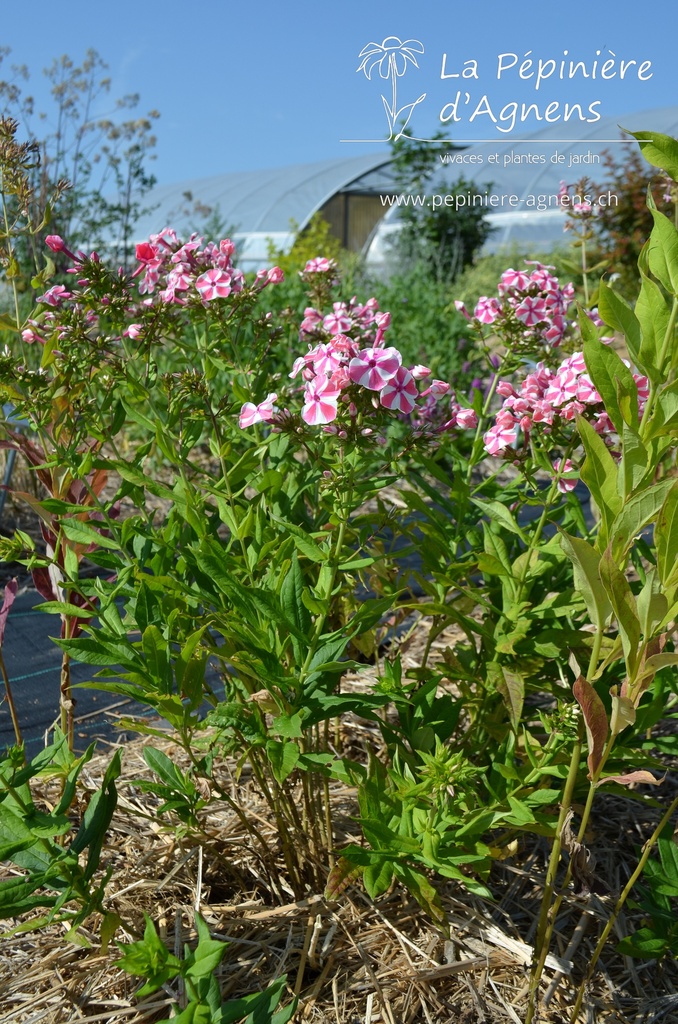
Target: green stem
10	701
545	926
334	562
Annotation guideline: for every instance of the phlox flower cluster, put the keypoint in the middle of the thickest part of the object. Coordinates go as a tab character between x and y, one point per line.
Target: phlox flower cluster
178	270
349	366
547	400
170	273
530	304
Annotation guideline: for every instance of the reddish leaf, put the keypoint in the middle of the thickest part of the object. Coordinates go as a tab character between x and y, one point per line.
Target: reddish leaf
631	777
341	876
595	719
10	593
43	583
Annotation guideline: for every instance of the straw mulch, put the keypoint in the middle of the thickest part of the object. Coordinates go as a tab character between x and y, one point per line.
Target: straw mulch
353	961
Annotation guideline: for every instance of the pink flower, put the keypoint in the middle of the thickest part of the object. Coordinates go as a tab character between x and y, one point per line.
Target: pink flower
55	243
54	296
487	310
400	393
226	247
320	402
214	284
565	485
146	253
498	438
251	414
373	367
133	331
337	322
319	265
29	336
531	311
275	276
419	372
505	389
467	419
437	389
511	278
461	308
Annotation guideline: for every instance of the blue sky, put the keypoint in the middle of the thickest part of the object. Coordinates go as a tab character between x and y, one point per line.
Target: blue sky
268	84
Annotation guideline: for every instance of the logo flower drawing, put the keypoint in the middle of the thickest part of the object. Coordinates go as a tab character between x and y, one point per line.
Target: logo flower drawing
392	57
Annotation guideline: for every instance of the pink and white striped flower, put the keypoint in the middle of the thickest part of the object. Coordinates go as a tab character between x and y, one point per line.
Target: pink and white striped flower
337	322
467	419
320	401
511	278
264	412
214	284
487	310
531	311
319	265
373	367
437	389
499	438
399	394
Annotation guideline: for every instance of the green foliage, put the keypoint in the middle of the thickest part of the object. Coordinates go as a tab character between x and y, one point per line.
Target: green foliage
656	898
446	239
274	552
58	875
622	228
150	959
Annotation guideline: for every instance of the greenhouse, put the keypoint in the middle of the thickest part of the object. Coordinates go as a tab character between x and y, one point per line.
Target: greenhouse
357	195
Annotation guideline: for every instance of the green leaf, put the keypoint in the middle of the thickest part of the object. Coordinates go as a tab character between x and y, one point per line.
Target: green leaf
638	512
284	756
15	835
150	959
18	896
666	537
586	562
644	944
156	654
164	768
377	877
653	316
634	463
98	651
659	150
511	686
612	379
83	533
662	252
618	315
208	953
500	514
426	896
625	610
599	473
595	720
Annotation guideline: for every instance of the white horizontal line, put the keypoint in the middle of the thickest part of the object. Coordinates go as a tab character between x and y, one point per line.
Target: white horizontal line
494	142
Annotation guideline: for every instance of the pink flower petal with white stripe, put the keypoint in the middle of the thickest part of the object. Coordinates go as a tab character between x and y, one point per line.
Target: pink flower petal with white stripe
214	284
320	402
531	311
400	393
373	367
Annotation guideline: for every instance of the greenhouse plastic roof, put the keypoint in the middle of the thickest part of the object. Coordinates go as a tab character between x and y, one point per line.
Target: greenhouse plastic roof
528	227
262	204
259	207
